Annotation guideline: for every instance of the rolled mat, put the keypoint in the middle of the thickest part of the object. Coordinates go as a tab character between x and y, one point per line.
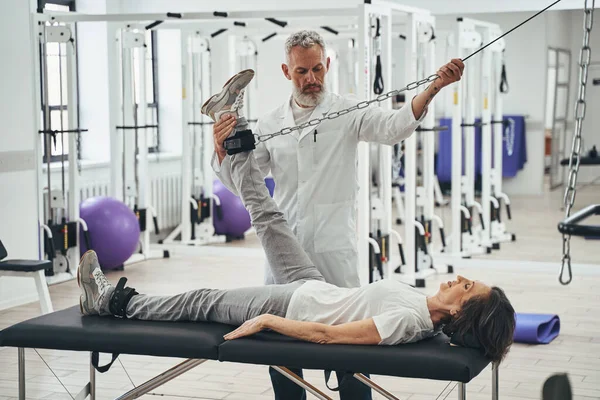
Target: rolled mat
536	328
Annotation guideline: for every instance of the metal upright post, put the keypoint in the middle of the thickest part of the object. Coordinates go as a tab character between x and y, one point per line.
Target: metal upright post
72	108
385	151
486	140
21	358
462	391
457	139
186	150
92	380
143	180
363	220
410	158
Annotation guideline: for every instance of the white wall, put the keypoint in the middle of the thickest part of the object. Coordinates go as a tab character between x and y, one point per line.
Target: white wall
18	205
169	90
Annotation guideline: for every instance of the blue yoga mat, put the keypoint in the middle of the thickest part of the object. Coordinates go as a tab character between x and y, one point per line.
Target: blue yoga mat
536	328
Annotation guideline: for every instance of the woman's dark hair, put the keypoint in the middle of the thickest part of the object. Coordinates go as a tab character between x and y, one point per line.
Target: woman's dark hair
488	321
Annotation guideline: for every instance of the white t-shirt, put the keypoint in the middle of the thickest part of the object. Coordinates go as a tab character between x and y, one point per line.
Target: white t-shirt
399	311
301	114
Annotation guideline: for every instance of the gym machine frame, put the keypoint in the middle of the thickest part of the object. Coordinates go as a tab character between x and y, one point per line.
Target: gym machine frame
59	223
197	197
466	238
129	181
419	199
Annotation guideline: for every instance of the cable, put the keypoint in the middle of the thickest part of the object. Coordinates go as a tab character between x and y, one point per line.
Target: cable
522	23
127	373
59	381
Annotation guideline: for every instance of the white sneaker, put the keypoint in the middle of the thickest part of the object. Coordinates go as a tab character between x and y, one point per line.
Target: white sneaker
230	99
93	285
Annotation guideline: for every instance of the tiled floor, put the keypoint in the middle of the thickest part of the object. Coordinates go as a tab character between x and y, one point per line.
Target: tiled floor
527	276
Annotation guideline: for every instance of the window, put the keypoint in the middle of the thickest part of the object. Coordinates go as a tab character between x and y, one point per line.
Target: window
151	117
56	110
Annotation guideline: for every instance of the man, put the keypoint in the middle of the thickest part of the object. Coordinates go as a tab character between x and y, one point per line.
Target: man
315	169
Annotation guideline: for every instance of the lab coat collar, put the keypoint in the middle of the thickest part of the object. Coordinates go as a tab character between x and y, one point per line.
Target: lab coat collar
320	110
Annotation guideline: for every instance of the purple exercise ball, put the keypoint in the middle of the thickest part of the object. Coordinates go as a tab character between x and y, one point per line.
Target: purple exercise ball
235	220
113	229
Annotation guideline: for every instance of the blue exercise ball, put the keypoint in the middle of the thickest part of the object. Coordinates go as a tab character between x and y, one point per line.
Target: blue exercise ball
113	229
232	219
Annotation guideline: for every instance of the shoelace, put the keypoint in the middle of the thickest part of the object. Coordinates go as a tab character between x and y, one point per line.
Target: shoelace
101	280
238	100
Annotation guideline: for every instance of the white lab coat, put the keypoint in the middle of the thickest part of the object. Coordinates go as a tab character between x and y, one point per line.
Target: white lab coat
315	174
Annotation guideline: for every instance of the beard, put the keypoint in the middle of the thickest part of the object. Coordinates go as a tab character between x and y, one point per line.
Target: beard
310	99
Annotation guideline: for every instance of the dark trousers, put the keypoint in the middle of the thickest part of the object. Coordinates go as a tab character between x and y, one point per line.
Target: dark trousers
285	389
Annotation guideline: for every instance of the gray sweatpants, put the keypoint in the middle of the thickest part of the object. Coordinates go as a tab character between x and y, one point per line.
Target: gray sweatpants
289	263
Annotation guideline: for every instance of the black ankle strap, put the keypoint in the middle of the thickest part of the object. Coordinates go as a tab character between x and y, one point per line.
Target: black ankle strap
241	141
120	298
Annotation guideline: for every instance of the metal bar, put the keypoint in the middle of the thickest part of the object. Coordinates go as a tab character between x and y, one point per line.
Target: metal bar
570	225
21	357
161	379
302	383
375	387
495	382
462	391
92	380
84	393
195	16
483	24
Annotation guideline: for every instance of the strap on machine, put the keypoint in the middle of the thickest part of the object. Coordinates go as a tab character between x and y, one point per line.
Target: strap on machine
503	80
378	83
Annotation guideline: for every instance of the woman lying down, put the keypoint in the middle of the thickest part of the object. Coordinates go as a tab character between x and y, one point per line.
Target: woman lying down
301	304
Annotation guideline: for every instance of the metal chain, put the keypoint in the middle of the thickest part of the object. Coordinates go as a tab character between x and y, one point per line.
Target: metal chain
336	114
570	191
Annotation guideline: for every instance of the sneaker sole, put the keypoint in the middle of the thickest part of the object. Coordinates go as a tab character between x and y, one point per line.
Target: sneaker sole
83	296
217	99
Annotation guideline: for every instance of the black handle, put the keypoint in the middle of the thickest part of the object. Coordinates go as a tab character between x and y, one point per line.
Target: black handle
52	249
481	220
88	241
219	212
470	226
508	211
401	254
155	224
220	14
173	15
379	264
153	25
570	225
423	244
443	237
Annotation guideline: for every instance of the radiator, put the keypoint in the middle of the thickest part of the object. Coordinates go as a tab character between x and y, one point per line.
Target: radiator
164	195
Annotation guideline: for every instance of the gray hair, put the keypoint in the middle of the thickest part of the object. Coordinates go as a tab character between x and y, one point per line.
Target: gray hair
303	38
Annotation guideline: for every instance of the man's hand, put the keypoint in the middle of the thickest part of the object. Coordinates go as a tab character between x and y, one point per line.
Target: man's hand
221	131
450	73
249	327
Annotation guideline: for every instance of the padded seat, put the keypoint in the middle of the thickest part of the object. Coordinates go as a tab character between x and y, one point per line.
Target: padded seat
25	265
432	358
69	330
